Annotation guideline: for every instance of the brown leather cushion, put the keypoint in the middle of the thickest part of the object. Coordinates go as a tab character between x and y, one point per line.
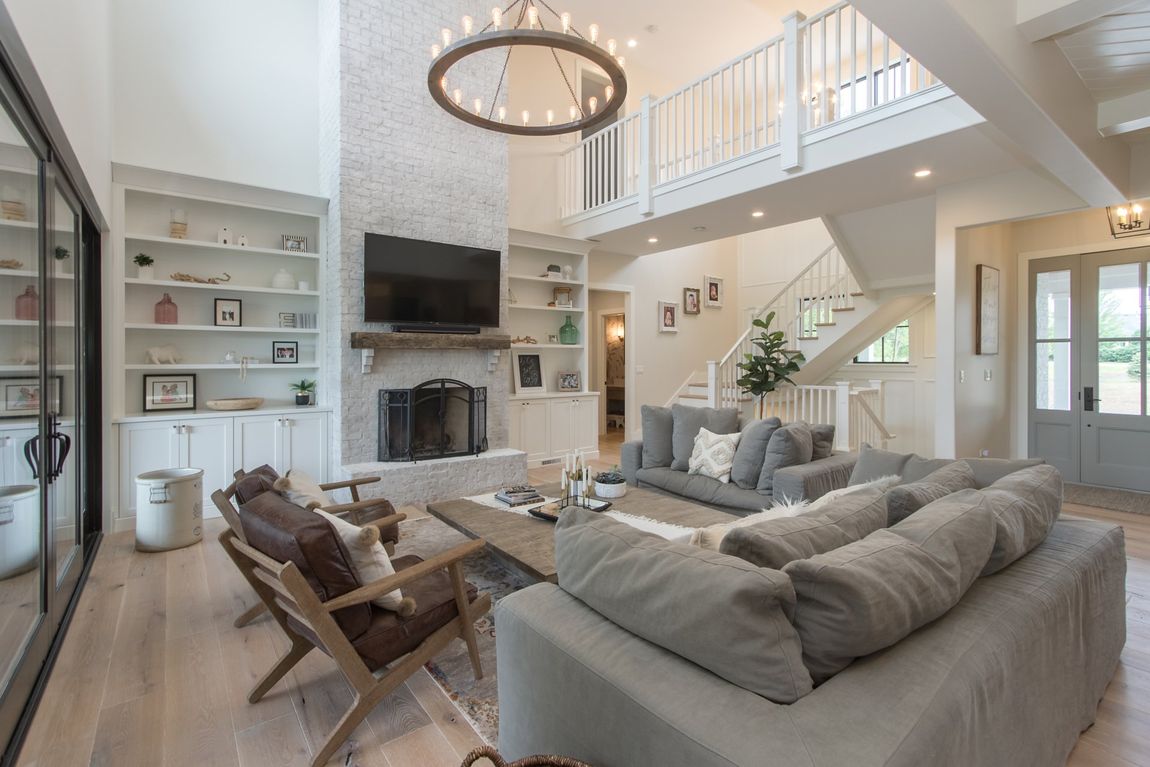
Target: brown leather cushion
287	533
389	533
254	482
389	636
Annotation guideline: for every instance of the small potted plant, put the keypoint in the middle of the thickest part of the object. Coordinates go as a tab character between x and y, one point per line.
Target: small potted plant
610	484
144	266
303	391
62	255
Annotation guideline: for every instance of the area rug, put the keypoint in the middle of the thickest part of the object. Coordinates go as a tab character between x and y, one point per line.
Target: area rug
451	668
1107	498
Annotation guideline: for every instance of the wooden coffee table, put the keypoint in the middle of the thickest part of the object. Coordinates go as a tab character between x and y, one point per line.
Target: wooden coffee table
528	544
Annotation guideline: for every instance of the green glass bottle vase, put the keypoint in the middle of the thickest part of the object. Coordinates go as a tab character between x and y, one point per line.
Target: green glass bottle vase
569	334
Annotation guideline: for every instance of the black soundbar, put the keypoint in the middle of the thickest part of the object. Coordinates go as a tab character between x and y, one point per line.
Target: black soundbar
467	329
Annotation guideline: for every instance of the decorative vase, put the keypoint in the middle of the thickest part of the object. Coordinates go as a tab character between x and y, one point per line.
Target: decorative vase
146	273
178	224
303	398
617	490
28	304
568	334
167	313
284	280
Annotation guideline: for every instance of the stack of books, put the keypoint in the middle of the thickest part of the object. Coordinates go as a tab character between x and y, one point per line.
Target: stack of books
519	495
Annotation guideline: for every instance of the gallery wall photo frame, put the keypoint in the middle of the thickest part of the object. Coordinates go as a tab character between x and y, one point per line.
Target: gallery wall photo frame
668	316
528	372
169	392
229	313
712	291
20	396
988	289
692	301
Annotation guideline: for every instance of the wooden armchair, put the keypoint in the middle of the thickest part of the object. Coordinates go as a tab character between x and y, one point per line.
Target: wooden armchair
388	524
374	649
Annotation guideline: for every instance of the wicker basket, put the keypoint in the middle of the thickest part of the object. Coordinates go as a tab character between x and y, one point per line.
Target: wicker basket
527	761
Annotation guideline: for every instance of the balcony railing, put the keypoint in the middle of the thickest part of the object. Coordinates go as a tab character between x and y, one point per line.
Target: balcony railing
839	63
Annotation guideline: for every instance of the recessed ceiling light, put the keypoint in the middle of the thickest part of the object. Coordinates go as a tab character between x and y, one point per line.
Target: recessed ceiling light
757	214
652	240
923	173
699	228
632	42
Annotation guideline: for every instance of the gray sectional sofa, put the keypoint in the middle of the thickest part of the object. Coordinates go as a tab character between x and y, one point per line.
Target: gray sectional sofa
1006	626
767	467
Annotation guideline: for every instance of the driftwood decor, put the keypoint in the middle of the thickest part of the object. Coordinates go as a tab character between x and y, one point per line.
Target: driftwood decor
184	277
429	341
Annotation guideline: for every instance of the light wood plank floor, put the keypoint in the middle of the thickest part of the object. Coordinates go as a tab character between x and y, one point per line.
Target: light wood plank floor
153	674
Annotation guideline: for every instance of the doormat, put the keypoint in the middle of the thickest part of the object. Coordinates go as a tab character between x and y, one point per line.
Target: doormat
1107	498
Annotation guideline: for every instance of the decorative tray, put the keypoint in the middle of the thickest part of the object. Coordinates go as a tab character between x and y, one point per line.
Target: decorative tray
551	511
235	403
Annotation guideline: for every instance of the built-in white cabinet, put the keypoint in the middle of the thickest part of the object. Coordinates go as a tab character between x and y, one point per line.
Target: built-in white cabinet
548	427
220	446
574	424
530	428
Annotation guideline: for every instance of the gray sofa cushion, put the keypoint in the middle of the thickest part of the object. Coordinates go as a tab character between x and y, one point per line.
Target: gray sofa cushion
823	439
811	481
1026	504
657	429
874	463
987	471
907	498
918	467
776	542
751	450
868	595
686	422
790	445
725	615
696	487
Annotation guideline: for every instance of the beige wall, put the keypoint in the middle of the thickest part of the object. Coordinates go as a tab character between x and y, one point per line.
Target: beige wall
770	258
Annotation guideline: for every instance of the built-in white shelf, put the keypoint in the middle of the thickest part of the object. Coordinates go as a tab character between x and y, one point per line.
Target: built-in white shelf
544	308
184	415
546	346
34	369
555	395
34	324
225	366
561	283
206	245
9	224
25	273
219	328
230	287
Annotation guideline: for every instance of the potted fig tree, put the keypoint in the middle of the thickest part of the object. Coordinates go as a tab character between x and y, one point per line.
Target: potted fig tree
610	484
771	365
303	392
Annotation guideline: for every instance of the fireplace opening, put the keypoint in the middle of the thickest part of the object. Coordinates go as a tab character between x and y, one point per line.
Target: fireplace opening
441	418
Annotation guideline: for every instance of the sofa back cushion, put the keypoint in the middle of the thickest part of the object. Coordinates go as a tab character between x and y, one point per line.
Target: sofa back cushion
823	441
907	498
776	542
752	448
987	471
288	533
686	422
790	445
716	611
656	436
252	483
869	594
1026	504
874	463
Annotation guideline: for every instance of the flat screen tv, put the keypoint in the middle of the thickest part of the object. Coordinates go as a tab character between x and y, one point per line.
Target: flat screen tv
429	283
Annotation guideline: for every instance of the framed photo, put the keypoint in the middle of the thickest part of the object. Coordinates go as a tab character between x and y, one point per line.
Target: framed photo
229	312
527	368
285	352
712	291
987	288
287	319
295	243
20	396
570	380
668	316
691	298
176	392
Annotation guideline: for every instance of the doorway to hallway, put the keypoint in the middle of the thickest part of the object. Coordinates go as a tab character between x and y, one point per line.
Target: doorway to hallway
610	363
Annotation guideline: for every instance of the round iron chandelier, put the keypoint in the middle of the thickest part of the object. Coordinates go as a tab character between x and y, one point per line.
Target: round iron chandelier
522	24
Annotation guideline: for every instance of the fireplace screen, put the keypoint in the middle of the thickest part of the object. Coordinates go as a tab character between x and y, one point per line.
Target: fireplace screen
437	419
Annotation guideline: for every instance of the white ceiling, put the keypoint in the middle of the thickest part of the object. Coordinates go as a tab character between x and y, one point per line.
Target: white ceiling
1112	53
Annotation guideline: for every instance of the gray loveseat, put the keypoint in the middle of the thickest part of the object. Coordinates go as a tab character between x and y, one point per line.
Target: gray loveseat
658	461
1009	675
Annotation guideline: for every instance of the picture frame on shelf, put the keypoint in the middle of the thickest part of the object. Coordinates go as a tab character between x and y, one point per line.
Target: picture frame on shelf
691	300
668	316
169	392
229	312
712	291
20	396
287	319
570	380
295	243
285	352
528	372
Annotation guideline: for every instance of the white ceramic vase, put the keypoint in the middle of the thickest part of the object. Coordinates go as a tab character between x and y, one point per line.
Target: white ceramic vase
146	272
610	491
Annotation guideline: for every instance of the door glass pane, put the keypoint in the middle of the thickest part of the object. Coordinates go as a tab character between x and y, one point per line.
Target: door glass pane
20	306
1119	378
1119	293
1052	375
64	498
1052	304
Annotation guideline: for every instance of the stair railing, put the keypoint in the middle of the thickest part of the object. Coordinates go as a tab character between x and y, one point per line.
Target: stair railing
856	414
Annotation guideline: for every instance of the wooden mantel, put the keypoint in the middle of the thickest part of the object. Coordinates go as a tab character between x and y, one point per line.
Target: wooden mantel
429	341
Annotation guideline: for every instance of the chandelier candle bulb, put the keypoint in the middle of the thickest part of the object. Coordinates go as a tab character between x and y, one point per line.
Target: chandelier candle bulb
435	51
457	94
612	46
550	116
609	92
502	114
565	20
592	103
574	112
593	32
478	103
622	62
526	117
532	17
468	25
445	34
496	17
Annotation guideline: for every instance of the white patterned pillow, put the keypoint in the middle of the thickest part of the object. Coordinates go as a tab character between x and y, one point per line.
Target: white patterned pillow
713	455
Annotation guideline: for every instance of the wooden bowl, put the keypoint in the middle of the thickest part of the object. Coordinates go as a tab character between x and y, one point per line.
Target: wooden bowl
235	403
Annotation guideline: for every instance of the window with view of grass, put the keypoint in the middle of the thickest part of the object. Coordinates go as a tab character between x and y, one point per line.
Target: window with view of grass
893	347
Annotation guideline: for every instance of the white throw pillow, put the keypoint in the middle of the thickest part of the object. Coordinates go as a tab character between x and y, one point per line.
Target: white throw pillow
299	488
711	536
370	561
714	455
